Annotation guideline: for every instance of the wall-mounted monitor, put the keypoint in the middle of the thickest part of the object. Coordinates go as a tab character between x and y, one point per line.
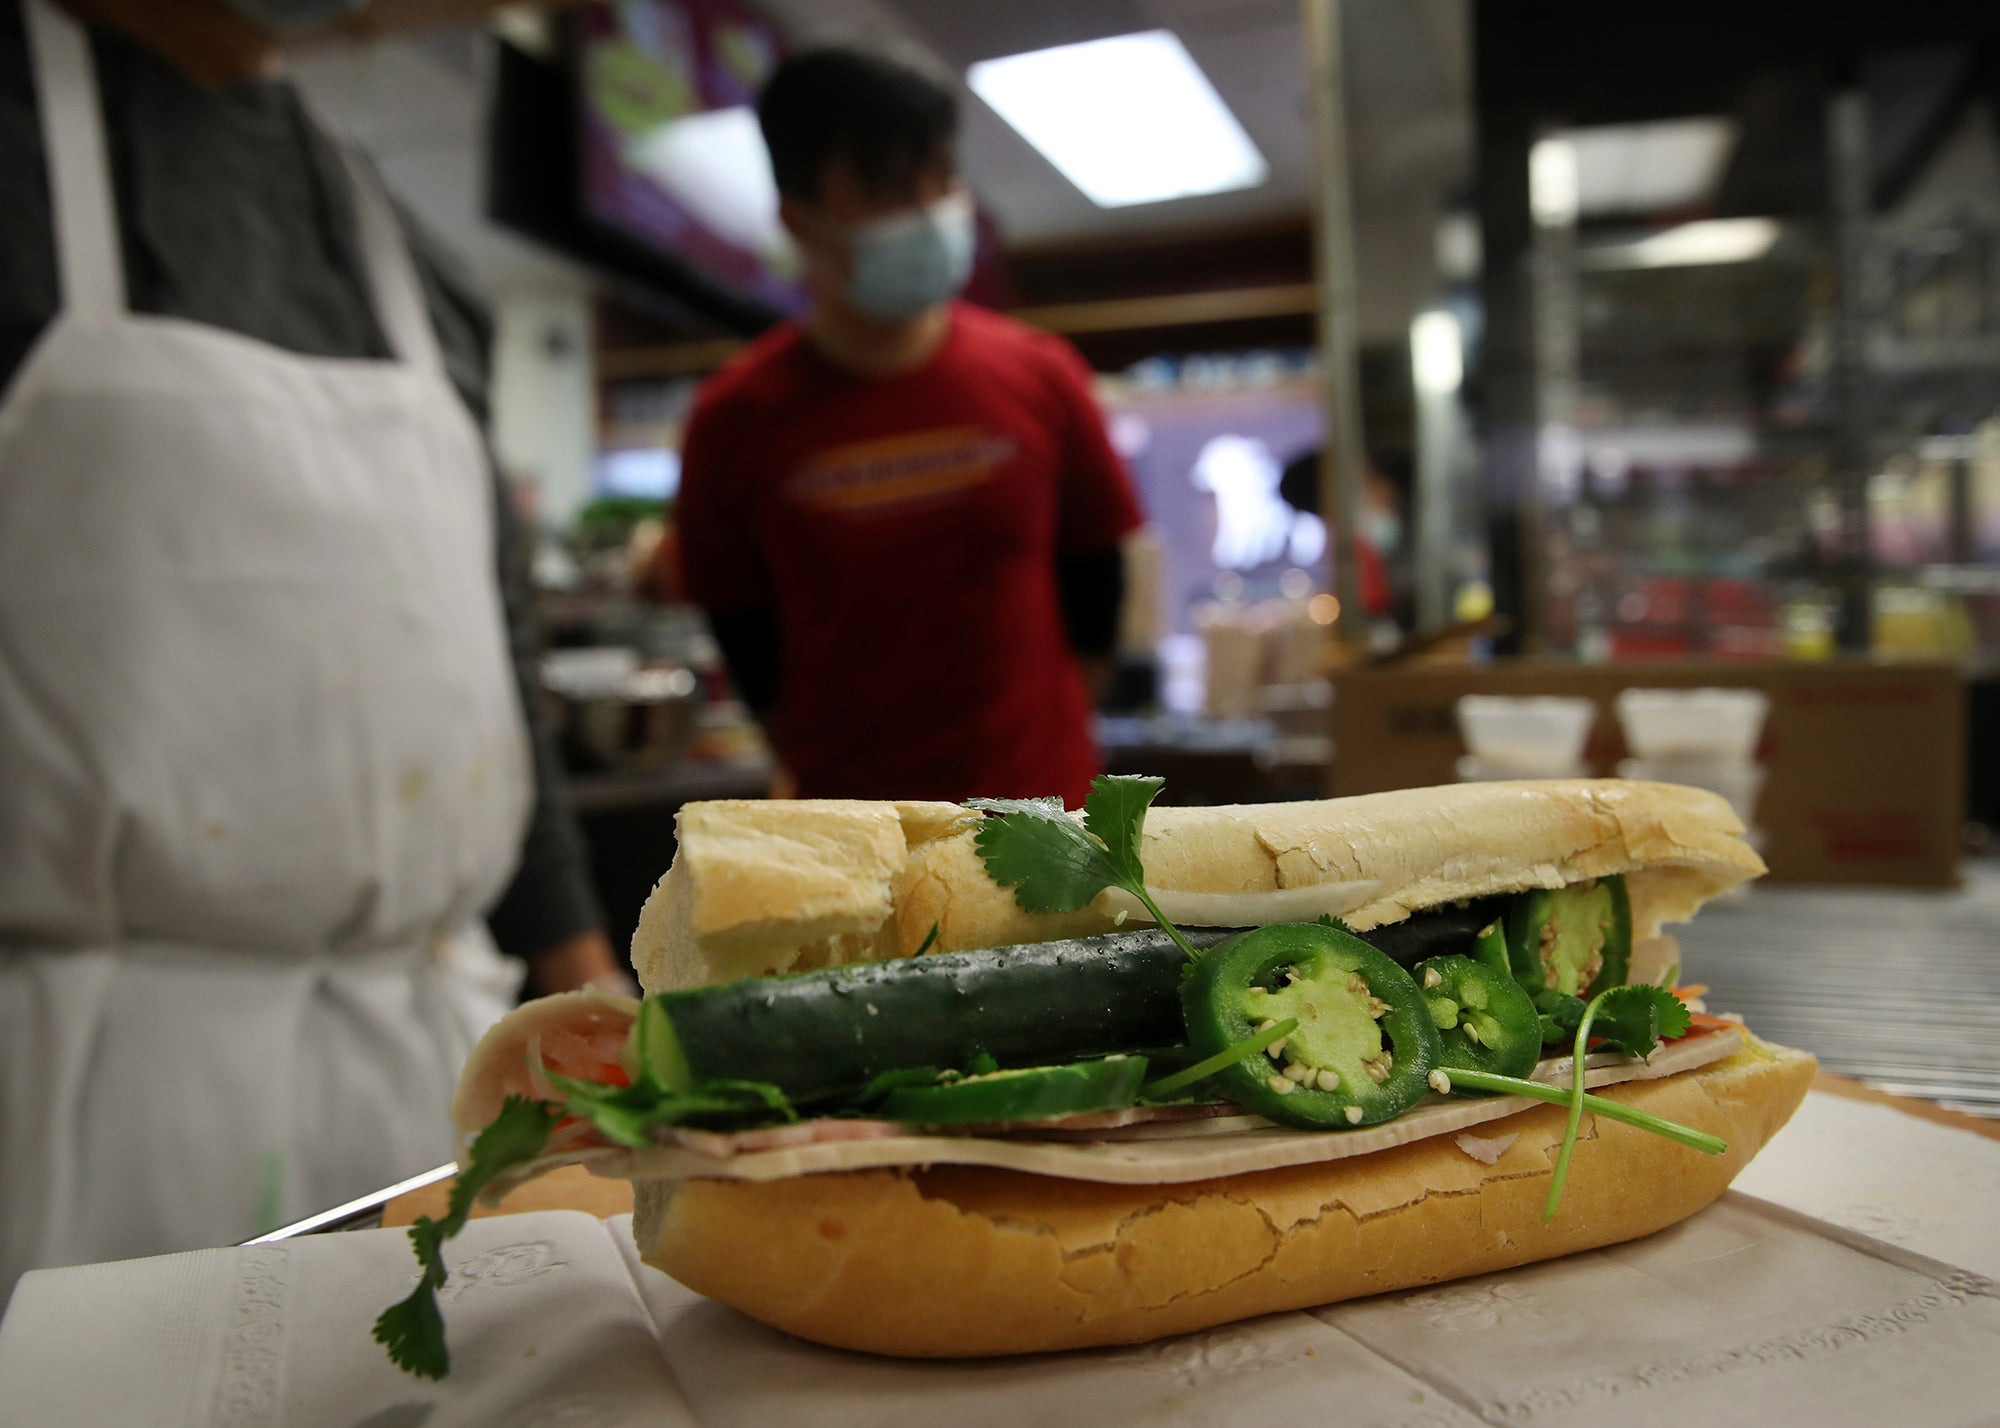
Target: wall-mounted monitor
671	154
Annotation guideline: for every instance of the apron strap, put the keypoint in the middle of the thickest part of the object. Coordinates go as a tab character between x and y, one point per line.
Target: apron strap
392	273
88	253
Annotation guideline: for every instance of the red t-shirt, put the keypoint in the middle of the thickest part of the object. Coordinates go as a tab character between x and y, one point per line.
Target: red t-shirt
905	532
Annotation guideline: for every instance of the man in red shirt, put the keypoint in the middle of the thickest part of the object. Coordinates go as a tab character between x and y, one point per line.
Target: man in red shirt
902	514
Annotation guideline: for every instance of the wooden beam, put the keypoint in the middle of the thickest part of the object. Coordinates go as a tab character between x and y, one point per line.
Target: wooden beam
684	359
1174	309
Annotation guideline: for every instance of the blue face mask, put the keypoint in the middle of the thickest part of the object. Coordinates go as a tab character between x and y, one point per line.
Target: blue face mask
911	262
279	16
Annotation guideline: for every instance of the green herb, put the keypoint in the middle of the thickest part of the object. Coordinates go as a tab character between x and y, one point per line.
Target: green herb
628	1115
929	938
1635	1017
1559	1013
1228	1056
1596	1105
883	1082
413	1330
1055	864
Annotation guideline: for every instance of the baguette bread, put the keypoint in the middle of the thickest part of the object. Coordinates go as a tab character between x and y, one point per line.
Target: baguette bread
759	887
966	1262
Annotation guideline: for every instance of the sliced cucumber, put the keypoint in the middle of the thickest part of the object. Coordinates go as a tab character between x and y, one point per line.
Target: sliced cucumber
822	1035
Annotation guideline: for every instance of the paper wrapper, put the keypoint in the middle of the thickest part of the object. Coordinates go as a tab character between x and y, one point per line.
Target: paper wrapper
1748	1312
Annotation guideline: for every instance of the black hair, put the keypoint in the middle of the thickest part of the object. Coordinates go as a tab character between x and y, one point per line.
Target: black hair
890	115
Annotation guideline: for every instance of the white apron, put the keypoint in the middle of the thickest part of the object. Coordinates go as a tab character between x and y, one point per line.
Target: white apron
262	763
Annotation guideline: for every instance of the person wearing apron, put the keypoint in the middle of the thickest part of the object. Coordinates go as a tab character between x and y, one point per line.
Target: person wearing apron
263	764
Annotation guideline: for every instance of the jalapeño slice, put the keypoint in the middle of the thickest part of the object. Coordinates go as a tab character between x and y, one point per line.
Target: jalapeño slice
1485	1021
1490	948
1365	1045
1576	940
1026	1094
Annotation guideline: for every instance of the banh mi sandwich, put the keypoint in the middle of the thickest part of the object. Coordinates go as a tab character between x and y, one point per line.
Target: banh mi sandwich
927	1080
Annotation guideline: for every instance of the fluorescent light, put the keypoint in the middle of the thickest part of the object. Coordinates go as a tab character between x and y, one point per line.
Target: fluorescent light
715	164
1645	168
1552	183
1688	245
1129	119
1436	354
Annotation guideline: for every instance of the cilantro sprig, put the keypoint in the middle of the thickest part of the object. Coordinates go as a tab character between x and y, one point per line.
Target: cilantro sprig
1596	1105
1055	864
1632	1019
662	1093
413	1329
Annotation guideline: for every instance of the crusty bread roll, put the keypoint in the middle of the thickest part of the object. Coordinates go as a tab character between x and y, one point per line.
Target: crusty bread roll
765	887
963	1262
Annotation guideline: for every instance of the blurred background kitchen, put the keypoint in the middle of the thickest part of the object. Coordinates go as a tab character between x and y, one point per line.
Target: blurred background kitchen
1512	388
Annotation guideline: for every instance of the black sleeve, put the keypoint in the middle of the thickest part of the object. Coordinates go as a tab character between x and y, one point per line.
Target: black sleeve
1091	588
30	290
749	643
551	897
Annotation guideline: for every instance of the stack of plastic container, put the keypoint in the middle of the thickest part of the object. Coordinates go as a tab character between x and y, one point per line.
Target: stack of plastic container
1703	737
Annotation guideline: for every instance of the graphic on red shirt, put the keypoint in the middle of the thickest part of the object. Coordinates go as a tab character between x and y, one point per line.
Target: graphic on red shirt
906	532
925	465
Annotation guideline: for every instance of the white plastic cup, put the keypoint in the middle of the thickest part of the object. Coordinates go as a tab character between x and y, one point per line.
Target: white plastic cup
1538	736
1692	724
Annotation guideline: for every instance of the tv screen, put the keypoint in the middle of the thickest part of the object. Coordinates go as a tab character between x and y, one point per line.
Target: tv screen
671	154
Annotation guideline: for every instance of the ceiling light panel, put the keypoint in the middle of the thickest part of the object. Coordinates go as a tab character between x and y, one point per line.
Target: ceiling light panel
1646	168
1129	119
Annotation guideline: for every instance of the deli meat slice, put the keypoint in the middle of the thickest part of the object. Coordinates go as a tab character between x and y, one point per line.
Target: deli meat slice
1090	1125
723	1144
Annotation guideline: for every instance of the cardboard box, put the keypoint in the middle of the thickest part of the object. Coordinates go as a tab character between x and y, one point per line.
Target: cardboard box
1865	760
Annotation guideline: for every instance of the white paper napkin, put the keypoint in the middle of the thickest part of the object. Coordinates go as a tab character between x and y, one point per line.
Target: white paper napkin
1748	1312
1930	1188
545	1326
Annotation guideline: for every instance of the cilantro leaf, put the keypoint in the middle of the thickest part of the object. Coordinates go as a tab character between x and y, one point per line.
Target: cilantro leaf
1042	853
413	1329
628	1115
1558	1012
620	1115
1115	813
1055	864
1637	1018
515	1137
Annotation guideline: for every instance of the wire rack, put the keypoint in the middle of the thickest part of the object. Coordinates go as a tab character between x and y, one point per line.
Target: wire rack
1897	988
